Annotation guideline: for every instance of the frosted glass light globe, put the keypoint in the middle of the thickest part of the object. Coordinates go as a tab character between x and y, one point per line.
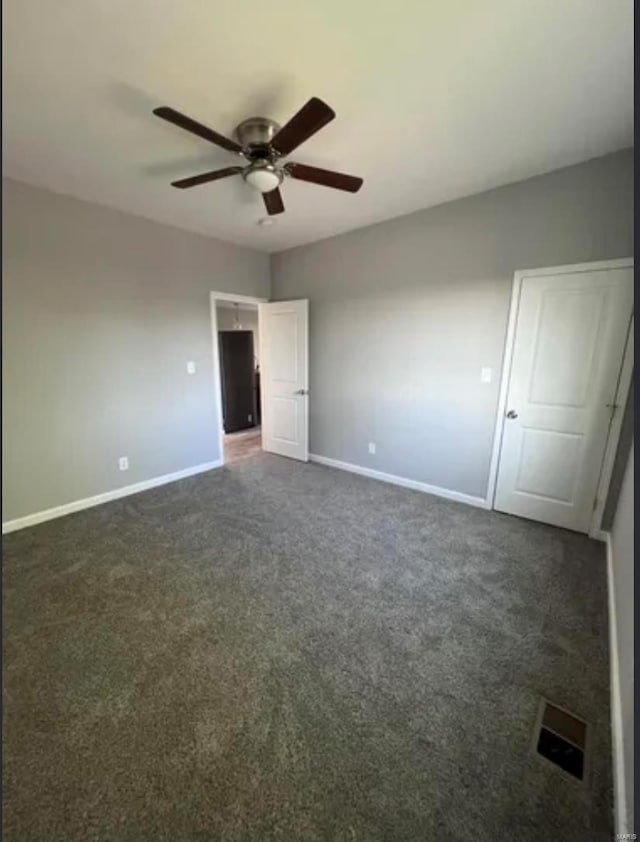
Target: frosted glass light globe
263	179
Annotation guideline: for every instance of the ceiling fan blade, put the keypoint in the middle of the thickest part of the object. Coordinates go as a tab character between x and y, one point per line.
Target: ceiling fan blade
309	120
273	202
204	177
189	125
328	178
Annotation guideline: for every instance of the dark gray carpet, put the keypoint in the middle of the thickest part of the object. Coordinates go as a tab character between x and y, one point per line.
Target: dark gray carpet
279	651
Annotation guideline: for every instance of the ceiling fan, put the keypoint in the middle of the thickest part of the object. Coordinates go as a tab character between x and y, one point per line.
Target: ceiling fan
262	142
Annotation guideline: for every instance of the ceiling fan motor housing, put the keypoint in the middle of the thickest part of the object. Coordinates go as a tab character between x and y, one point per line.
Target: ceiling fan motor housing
255	136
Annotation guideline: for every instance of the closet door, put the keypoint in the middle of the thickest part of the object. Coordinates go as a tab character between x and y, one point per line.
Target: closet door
569	343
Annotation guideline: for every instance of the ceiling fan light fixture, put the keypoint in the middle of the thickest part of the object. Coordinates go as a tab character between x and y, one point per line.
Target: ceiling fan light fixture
263	177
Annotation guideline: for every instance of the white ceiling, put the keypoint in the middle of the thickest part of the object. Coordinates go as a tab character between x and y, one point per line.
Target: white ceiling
435	99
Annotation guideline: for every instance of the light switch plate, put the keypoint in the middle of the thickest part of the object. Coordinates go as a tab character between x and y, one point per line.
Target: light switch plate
485	375
372	448
191	367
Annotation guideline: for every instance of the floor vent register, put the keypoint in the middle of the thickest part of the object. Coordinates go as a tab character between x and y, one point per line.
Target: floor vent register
562	738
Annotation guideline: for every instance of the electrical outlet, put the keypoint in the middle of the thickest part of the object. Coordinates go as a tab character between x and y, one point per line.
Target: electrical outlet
250	418
485	375
123	463
191	367
372	447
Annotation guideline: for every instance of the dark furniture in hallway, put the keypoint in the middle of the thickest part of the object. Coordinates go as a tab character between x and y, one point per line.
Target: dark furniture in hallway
237	376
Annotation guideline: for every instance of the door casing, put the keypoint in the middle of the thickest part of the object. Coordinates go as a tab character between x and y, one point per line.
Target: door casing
217	383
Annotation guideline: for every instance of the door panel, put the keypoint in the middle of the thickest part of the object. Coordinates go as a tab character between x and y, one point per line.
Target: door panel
570	337
538	450
284	343
567	339
285	419
284	378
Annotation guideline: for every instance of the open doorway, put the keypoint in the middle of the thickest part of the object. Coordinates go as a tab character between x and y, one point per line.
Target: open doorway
237	340
261	376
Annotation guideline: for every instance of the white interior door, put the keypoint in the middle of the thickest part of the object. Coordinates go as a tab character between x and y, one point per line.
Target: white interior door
570	336
284	377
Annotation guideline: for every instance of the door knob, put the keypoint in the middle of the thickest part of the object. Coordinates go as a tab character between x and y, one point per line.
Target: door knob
512	414
301	392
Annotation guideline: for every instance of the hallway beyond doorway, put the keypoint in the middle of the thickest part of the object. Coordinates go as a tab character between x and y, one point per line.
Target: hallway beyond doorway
242	444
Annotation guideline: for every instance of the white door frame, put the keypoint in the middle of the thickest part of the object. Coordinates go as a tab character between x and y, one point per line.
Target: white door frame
624	383
214	297
611	448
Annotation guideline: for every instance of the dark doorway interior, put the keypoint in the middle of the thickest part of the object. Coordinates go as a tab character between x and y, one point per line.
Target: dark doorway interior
238	380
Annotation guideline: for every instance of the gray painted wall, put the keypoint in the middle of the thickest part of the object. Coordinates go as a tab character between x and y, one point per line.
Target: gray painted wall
404	314
101	311
622	546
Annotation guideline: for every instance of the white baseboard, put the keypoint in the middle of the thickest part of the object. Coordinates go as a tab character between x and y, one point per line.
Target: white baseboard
617	728
458	496
98	499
